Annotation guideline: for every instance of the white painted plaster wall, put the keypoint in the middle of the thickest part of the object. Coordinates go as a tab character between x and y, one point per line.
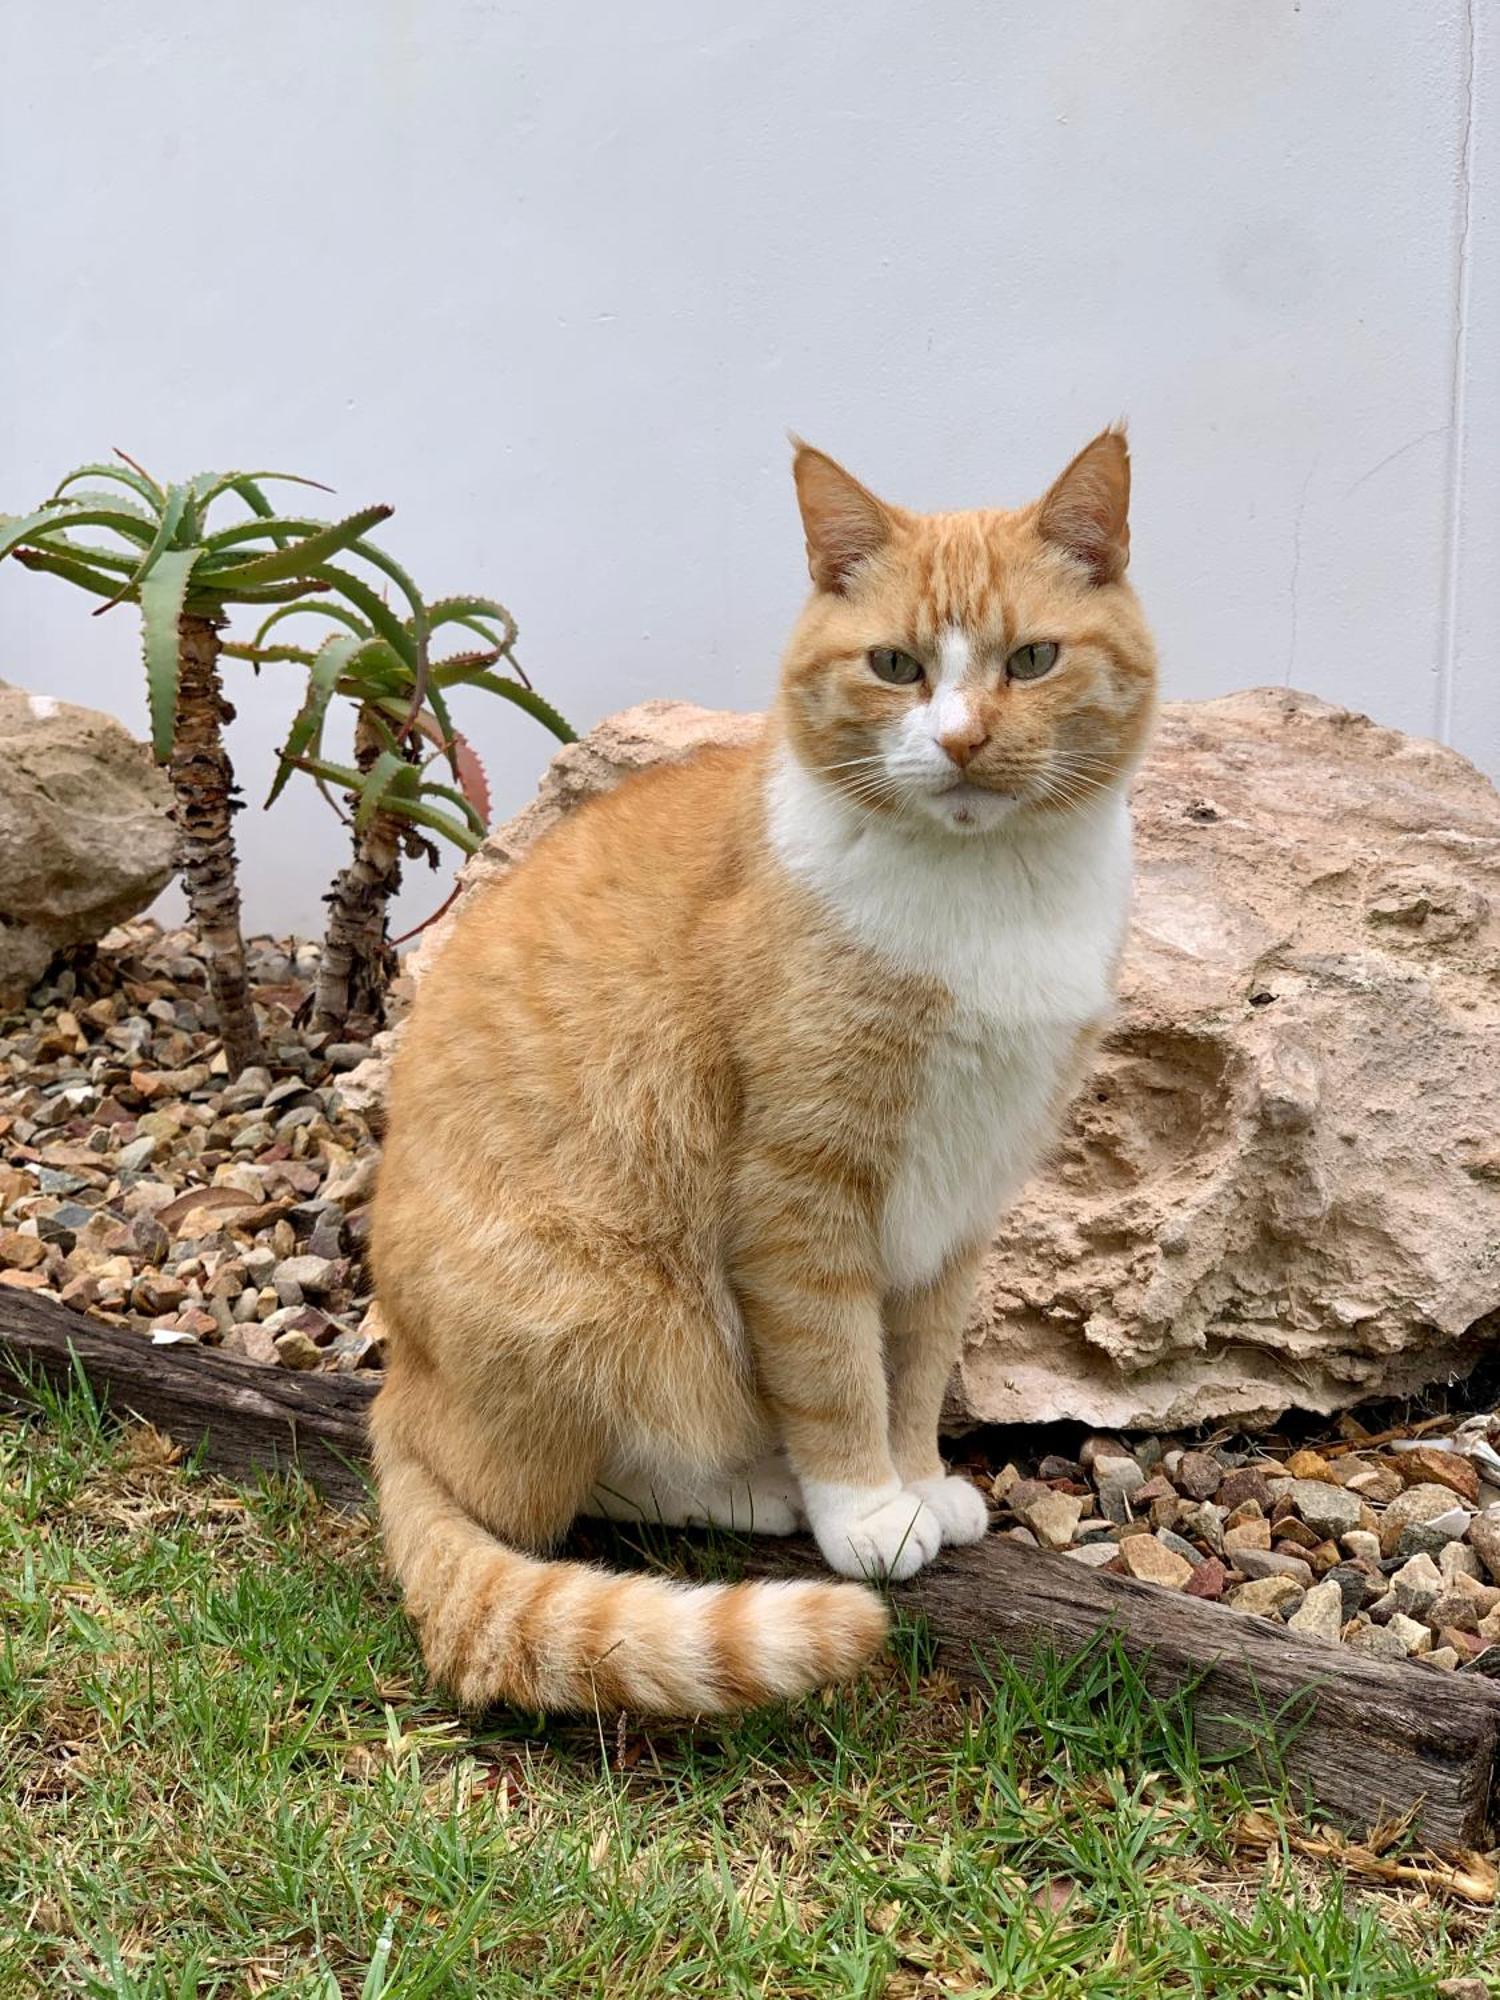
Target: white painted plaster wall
556	277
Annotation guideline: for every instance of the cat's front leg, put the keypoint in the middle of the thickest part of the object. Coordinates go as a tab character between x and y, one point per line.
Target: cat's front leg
816	1335
924	1331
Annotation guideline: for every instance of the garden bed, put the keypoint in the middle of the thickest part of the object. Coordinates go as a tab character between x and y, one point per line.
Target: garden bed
224	1224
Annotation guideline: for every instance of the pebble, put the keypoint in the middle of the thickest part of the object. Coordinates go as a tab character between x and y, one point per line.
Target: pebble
1484	1535
1266	1595
1377	1642
1249	1535
1200	1475
1118	1479
312	1276
1328	1510
1179	1546
1321	1613
296	1350
1093	1555
1246	1482
1361	1544
1148	1560
1208	1580
1267	1563
1051	1517
1419	1506
1417	1584
1413	1636
1442	1656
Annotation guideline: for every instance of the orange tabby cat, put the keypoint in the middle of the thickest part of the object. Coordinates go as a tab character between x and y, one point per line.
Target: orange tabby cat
707	1110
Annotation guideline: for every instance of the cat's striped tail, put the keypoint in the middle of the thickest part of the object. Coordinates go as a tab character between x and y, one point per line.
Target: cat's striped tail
496	1625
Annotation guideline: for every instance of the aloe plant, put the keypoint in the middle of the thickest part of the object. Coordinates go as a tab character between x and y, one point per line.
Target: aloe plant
382	661
163	552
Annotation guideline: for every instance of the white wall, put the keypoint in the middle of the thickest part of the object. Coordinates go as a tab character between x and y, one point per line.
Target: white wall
555	278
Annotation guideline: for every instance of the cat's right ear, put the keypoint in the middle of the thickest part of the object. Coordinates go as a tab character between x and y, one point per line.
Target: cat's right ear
843	521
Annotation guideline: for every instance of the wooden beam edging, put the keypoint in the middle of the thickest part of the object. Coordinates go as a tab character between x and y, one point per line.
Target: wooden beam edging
1367	1740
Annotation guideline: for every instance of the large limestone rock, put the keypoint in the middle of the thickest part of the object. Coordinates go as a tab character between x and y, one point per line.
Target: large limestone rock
1281	1186
85	841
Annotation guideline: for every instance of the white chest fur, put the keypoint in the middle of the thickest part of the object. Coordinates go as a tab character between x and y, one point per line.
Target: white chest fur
1022	927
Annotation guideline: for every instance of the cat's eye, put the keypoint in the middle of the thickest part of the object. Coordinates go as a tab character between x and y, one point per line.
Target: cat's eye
887	663
1029	663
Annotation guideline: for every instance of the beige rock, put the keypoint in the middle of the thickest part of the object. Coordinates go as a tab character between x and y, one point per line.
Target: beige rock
1320	1615
1413	1635
1266	1595
1053	1518
85	841
1146	1558
1281	1185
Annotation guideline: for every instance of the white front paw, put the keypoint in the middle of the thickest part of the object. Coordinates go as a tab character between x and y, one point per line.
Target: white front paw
872	1531
959	1507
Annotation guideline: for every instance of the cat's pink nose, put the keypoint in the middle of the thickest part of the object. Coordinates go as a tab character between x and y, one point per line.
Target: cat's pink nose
962	742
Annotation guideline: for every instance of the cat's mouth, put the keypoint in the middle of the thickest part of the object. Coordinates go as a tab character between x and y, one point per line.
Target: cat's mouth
972	808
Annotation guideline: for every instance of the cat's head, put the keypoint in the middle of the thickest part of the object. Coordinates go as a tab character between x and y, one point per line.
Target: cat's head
959	670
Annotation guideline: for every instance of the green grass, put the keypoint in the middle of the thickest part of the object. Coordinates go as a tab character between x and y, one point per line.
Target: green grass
221	1772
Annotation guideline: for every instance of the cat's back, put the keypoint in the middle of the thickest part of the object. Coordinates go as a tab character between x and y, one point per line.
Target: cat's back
601	932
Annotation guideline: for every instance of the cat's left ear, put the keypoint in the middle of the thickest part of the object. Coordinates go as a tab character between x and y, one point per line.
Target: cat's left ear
1086	510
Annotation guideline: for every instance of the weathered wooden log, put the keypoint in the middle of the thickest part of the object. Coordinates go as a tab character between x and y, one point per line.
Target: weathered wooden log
1367	1740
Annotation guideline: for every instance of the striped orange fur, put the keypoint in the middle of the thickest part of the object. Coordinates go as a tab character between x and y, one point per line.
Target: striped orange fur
707	1109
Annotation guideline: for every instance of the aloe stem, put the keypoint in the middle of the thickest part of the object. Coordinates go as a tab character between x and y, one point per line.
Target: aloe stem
203	801
358	959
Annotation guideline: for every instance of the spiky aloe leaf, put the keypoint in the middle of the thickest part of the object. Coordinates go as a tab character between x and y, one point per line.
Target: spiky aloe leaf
163	594
531	701
166	528
70	570
402	805
211	486
372	607
118	475
340	613
18	528
329	665
68	515
298	558
464	611
390	773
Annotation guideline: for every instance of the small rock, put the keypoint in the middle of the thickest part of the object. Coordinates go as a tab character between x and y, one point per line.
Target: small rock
1118	1479
1418	1506
1457	1559
1310	1465
1327	1509
1442	1656
1146	1559
314	1276
1094	1555
1431	1537
1206	1522
1022	1535
252	1343
1178	1546
1207	1580
1097	1447
1463	1988
1440	1468
1021	1492
1051	1467
1375	1483
1484	1538
1245	1482
1413	1635
295	1349
1455	1608
1417	1584
1356	1587
1266	1595
1051	1517
1488	1627
1248	1535
1266	1562
1200	1475
1321	1614
1362	1545
130	1159
1096	1531
1377	1642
